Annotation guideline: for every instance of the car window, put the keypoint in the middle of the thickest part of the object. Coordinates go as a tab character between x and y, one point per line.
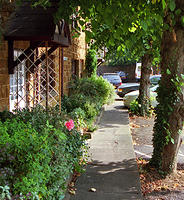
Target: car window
110	78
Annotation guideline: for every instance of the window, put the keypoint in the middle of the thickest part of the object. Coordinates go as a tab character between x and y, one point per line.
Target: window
17	83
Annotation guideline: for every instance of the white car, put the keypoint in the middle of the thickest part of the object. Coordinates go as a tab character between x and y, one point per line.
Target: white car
129	97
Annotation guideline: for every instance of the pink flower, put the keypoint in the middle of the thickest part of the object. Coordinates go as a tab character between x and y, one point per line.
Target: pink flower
69	124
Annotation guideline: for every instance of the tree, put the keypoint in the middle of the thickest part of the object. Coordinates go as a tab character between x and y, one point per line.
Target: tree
170	111
136	36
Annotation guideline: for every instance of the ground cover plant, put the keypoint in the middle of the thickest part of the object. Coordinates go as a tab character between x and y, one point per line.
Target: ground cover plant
39	150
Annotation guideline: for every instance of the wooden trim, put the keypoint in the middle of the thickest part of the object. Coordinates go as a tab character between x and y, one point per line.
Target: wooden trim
10	57
26	54
43	57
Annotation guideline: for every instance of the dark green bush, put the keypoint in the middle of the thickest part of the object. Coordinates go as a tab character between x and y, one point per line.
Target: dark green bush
135	107
94	87
88	95
91	63
38	161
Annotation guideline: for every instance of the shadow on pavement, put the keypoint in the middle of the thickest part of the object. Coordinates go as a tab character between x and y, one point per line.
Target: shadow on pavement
112	181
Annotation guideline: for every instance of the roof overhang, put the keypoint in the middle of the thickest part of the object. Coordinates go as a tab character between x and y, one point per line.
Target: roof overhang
37	24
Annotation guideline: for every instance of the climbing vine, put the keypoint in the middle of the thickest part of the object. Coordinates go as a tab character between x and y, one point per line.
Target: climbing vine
91	62
167	97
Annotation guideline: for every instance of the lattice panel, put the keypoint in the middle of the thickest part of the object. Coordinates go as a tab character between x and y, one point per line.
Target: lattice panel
36	80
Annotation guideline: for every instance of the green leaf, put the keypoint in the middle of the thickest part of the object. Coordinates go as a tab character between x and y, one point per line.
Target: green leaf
182	76
116	35
182	20
144	25
168	72
154	37
81	22
172	5
172	140
119	48
62	197
163	4
178	12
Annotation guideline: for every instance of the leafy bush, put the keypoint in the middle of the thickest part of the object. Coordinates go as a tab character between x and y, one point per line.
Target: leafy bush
37	161
135	107
94	87
91	62
37	151
87	96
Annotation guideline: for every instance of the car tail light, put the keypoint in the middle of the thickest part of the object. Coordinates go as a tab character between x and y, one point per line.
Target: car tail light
120	84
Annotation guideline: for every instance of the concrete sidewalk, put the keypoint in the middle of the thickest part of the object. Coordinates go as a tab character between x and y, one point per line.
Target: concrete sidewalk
113	172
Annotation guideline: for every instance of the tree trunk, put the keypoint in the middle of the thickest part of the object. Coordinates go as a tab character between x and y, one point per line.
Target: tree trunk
144	91
170	111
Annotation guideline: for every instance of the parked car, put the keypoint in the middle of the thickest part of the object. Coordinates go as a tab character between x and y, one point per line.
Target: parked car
123	76
128	98
130	87
113	78
155	79
126	88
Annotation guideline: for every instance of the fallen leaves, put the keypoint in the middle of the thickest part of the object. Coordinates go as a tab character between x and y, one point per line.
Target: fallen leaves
152	181
132	125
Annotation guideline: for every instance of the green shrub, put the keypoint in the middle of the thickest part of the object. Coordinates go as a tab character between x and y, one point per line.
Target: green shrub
38	161
94	87
91	63
135	107
37	152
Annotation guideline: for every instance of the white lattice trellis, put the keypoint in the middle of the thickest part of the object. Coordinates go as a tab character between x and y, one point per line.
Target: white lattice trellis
36	79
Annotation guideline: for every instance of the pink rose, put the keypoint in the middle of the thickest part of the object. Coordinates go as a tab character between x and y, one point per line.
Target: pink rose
69	124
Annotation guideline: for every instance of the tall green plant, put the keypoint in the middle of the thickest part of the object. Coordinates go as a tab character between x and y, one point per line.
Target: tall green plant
91	62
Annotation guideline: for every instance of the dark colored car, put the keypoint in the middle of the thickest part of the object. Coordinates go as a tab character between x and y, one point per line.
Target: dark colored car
113	78
126	88
129	87
123	76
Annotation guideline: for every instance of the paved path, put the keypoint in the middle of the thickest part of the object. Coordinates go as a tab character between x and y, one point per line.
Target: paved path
113	172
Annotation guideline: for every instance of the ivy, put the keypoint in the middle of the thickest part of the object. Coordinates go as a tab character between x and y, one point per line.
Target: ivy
167	98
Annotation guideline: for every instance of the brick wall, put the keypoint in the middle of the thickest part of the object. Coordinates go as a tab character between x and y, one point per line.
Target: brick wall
75	52
5	11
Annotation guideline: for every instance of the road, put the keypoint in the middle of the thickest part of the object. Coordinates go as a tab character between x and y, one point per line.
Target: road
145	151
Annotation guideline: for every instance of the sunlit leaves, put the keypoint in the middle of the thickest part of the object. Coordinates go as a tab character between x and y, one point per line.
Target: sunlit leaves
163	4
